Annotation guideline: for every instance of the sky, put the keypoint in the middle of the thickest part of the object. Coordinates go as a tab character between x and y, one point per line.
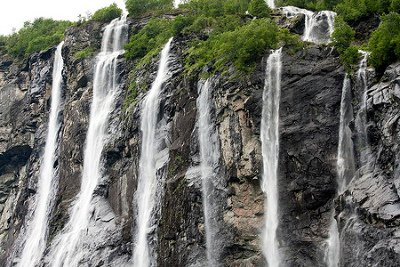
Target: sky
14	13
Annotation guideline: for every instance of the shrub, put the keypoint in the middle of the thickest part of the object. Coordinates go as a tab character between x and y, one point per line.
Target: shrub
395	6
138	8
243	47
3	43
35	36
84	53
149	40
384	43
259	8
107	14
350	58
343	35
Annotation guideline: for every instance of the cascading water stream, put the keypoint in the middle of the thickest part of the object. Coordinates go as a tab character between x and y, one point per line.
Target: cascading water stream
209	163
105	89
271	4
361	118
318	27
148	184
270	154
36	238
345	169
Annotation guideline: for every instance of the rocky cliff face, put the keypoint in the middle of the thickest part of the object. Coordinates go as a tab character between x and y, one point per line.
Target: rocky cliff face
309	122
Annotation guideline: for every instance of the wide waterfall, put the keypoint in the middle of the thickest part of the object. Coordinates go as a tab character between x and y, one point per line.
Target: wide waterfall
345	168
150	161
209	165
270	155
318	26
37	228
105	89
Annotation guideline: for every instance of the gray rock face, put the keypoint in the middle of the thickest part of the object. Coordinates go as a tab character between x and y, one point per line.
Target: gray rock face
309	122
371	209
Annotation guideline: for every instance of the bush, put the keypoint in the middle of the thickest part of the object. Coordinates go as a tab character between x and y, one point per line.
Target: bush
343	35
36	36
243	47
3	43
384	43
259	8
148	41
107	14
138	8
395	6
84	53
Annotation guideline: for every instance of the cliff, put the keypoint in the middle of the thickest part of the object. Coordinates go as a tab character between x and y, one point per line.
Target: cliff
312	82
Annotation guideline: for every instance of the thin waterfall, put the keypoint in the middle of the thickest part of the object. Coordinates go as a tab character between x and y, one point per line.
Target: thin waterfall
148	184
271	4
345	169
37	232
209	165
105	90
361	118
318	26
270	154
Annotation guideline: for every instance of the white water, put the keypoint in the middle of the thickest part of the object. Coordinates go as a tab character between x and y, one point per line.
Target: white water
270	154
209	162
361	118
318	27
345	168
37	233
148	183
67	250
271	4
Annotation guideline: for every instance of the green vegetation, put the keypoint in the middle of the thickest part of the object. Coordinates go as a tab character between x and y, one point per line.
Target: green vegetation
350	10
148	42
259	9
139	8
3	43
384	43
221	34
35	36
244	47
84	53
342	38
107	14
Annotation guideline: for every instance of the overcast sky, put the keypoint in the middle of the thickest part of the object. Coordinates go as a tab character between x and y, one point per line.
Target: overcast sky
14	13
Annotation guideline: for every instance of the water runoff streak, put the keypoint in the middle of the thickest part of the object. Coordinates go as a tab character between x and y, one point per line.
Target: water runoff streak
148	183
345	169
105	90
37	233
209	165
270	154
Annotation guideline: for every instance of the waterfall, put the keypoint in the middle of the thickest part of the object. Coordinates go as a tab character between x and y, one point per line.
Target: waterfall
345	169
151	159
209	165
361	118
318	26
270	154
105	89
271	4
37	232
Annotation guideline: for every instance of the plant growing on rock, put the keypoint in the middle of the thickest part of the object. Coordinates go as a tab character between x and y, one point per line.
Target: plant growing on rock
107	14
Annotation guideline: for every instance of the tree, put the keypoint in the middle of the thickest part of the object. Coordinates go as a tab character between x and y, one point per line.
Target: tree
259	8
107	14
384	43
